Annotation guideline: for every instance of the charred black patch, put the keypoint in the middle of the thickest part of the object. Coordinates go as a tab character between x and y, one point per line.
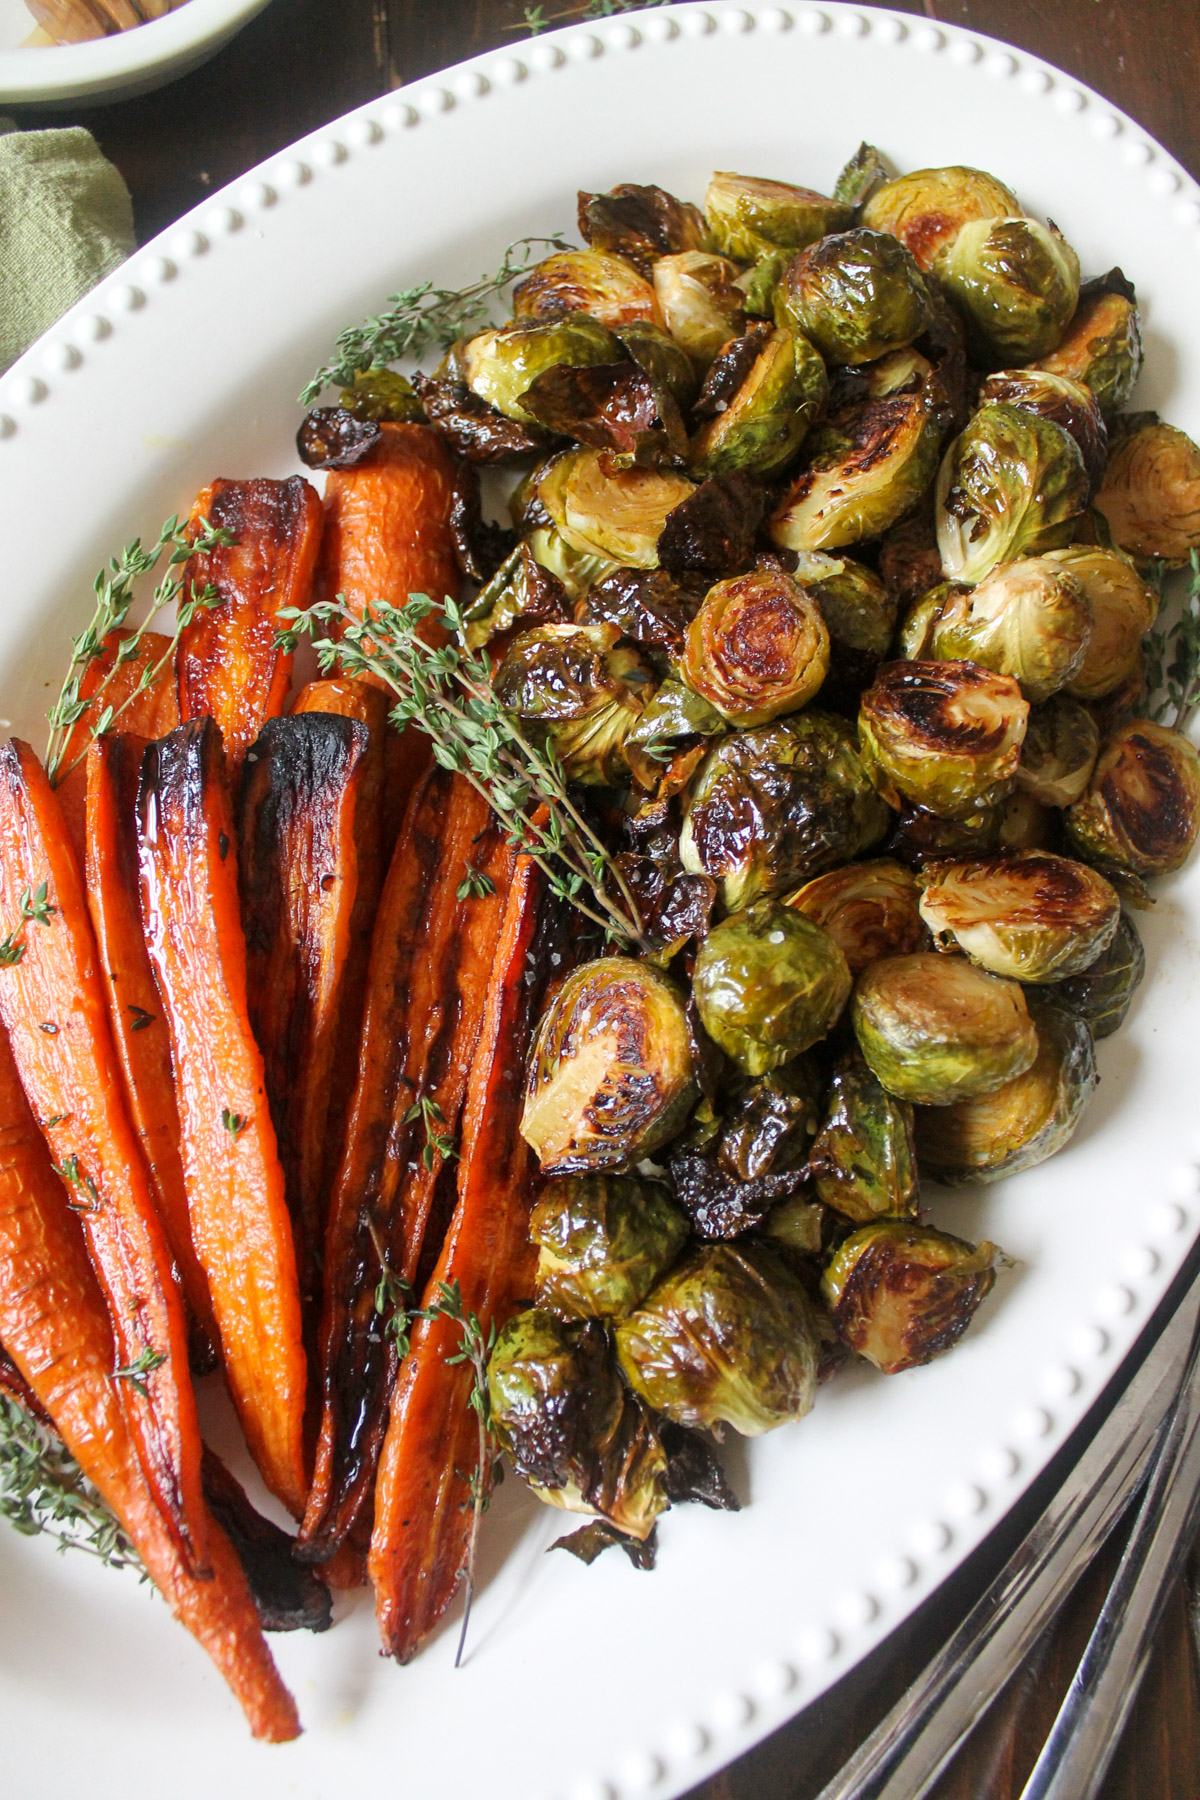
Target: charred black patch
331	437
475	429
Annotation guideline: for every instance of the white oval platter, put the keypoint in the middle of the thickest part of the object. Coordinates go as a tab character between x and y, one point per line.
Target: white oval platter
602	1683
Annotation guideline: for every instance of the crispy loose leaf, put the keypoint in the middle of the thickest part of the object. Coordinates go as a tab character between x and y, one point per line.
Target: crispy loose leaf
332	437
712	532
480	545
718	1204
473	427
613	406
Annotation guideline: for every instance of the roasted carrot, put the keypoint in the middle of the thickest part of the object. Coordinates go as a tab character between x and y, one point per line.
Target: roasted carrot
228	662
430	962
187	857
423	1496
54	1323
140	1034
298	862
53	1006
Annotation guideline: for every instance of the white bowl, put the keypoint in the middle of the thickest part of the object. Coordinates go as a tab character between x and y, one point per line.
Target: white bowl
131	62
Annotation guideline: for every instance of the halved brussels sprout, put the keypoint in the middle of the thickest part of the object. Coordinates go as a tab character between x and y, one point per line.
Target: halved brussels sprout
767	1125
797	1224
1018	1126
764	424
936	1028
618	514
757	648
699	301
672	717
863	1162
1062	742
768	983
615	407
1102	345
640	223
860	617
921	837
1067	402
1150	494
773	806
558	1410
856	295
1025	824
603	1241
379	394
1016	284
864	468
760	283
1142	809
1102	995
914	634
928	208
520	590
727	1338
1029	619
749	216
577	570
869	909
500	363
1012	484
945	735
667	363
1123	607
900	1294
1031	916
605	287
583	688
611	1075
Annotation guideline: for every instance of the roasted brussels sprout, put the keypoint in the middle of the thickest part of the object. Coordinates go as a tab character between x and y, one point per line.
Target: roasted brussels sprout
501	362
611	1075
1016	284
927	209
603	1241
766	420
945	735
521	591
864	468
749	217
768	1123
920	837
1150	494
757	648
1025	824
1012	484
900	1294
1142	809
583	688
936	1028
856	295
699	301
1061	745
618	514
653	349
869	909
577	570
863	1162
1022	1123
381	394
860	176
331	437
640	223
914	634
1123	608
1102	995
727	1338
1067	402
1029	619
1102	345
605	287
713	530
558	1410
719	1204
860	617
773	806
768	982
647	605
615	407
1031	916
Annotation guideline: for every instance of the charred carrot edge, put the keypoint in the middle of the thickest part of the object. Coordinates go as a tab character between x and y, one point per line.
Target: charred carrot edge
53	1005
228	662
54	1324
422	1496
140	1034
301	791
430	965
187	857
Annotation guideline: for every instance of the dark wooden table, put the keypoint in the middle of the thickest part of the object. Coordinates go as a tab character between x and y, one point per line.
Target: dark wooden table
302	63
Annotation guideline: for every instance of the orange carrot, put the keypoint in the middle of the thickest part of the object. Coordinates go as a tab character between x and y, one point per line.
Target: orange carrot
148	712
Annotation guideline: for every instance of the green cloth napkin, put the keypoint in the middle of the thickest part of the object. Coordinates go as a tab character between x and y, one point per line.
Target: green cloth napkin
66	221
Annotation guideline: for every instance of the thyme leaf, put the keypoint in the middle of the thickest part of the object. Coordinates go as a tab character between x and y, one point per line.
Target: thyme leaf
143	1364
475	885
43	1491
234	1123
32	907
1173	647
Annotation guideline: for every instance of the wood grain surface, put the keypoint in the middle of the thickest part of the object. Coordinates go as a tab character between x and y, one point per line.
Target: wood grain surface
302	63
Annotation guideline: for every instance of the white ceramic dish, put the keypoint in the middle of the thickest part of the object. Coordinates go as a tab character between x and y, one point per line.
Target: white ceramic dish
589	1683
112	68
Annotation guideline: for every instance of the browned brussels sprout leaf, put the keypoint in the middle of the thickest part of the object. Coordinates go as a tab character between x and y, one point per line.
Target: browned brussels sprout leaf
590	1541
610	406
603	1242
769	983
758	647
910	562
718	1205
693	1472
475	429
582	689
1141	812
712	531
666	362
1102	995
871	909
1102	345
480	545
521	592
900	1294
729	368
651	606
640	223
863	1162
1068	402
920	836
379	394
864	172
768	1123
331	437
673	905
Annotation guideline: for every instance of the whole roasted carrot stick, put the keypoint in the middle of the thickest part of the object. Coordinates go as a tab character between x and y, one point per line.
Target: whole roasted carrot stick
53	1005
139	1029
187	856
54	1324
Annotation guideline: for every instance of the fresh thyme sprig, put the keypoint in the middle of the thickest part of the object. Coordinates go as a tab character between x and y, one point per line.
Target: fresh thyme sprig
1173	647
44	1491
421	318
115	592
447	692
33	908
70	1172
437	1142
535	19
475	885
